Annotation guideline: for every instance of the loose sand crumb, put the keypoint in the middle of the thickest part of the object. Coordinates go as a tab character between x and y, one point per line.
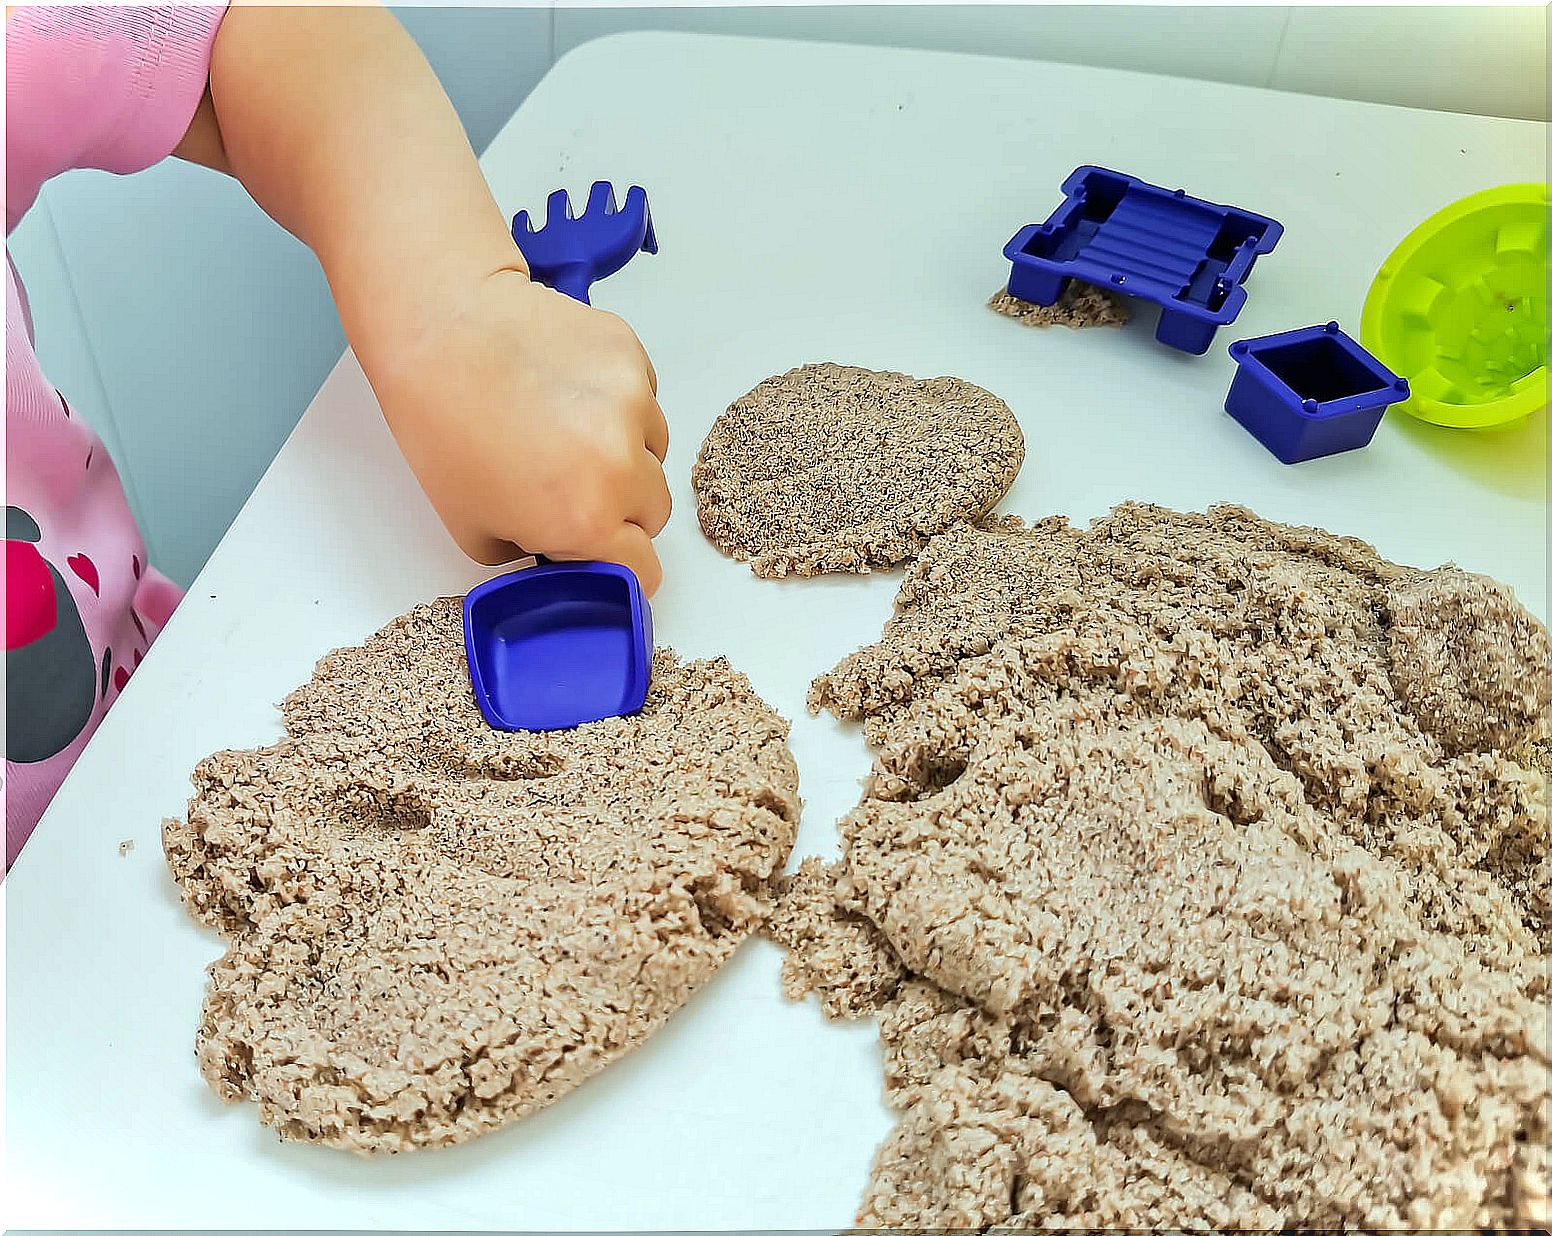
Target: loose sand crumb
125	847
1202	880
834	468
436	928
1079	305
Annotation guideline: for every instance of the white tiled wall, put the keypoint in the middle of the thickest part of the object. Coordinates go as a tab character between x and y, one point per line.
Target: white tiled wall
1485	59
1490	61
1482	59
1225	44
192	331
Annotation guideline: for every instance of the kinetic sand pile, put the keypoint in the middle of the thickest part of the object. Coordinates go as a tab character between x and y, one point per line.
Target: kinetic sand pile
1203	879
436	928
834	468
1079	305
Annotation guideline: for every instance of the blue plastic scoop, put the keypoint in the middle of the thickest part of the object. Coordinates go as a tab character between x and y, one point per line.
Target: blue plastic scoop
557	645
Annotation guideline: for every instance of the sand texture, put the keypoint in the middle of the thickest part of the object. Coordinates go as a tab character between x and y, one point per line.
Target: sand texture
435	928
1080	304
834	468
1202	879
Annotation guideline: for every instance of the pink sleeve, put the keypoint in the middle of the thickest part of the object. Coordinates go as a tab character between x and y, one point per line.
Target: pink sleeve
105	87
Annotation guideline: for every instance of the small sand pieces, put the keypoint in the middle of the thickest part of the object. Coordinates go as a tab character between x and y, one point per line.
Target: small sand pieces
436	928
833	468
1079	305
1202	881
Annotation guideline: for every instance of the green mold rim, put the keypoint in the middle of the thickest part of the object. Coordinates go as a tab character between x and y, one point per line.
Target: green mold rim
1512	407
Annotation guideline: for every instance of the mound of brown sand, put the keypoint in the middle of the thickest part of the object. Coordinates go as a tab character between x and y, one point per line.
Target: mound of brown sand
1080	305
1202	880
436	928
834	468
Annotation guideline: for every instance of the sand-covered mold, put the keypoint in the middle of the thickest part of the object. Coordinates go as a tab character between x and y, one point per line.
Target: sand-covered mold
1202	879
833	468
436	928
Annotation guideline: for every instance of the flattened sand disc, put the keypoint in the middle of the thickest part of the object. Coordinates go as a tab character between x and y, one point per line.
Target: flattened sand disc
436	928
835	468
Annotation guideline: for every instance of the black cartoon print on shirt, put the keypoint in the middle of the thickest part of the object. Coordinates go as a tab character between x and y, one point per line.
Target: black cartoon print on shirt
50	674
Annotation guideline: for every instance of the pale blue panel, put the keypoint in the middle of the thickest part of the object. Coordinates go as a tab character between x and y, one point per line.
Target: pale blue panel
1218	44
487	58
211	328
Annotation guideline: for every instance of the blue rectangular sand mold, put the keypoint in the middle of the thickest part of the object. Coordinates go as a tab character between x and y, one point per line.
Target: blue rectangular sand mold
1310	392
1189	256
555	646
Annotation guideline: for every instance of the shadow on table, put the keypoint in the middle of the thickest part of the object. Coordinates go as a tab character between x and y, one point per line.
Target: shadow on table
1511	461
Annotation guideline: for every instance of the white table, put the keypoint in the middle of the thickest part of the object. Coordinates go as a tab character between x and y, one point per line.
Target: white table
813	203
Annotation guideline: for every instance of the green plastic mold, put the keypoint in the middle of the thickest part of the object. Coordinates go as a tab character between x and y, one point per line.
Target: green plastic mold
1460	310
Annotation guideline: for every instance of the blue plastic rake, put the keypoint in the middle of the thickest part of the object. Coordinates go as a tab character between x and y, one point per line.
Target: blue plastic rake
572	252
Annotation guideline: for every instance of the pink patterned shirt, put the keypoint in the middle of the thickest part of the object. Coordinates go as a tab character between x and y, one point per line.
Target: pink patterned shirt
111	88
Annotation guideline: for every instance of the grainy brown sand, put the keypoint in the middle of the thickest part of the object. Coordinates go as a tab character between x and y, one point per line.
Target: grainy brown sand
834	468
435	928
1079	305
1202	880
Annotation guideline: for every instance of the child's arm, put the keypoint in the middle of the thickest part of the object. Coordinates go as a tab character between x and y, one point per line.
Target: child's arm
530	420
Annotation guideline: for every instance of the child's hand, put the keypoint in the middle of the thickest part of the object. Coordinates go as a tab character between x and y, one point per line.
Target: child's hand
530	420
533	425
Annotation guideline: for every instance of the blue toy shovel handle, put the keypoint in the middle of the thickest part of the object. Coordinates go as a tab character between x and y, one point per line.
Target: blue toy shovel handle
574	283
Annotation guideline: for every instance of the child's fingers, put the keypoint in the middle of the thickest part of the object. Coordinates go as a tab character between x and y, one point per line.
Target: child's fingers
654	504
630	546
488	550
656	429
